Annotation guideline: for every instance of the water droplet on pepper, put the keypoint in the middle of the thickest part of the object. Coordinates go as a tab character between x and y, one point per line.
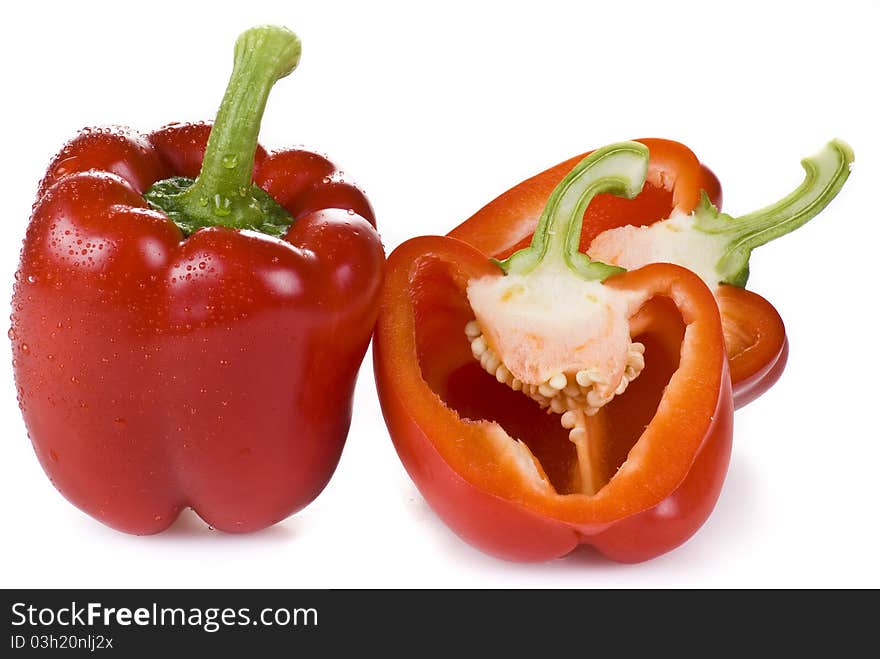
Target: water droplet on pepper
222	206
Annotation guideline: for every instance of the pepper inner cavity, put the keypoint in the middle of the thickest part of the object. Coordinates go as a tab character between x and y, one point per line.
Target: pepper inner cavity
574	394
548	326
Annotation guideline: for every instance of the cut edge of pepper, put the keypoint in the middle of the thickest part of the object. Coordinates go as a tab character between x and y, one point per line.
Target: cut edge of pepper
429	410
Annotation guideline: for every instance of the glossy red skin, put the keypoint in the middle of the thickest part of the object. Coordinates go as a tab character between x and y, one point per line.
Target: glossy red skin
156	373
473	492
507	223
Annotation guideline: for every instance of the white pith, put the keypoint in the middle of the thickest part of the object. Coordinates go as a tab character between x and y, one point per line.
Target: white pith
673	240
561	340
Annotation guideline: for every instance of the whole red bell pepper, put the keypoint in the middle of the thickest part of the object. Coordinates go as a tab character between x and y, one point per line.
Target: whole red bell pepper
548	400
194	343
754	332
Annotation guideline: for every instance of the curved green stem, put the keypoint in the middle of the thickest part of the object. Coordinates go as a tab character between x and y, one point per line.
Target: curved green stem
826	173
619	169
223	193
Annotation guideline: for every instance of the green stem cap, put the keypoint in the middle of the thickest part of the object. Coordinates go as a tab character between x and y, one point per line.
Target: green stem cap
826	172
618	169
223	193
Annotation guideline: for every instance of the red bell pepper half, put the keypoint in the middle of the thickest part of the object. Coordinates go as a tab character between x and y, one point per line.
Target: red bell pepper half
675	219
549	400
194	343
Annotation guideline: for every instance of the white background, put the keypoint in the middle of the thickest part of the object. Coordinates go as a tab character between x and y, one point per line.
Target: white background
435	111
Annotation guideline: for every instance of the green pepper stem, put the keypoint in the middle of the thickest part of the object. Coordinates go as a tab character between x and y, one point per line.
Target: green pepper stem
826	173
221	193
619	169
